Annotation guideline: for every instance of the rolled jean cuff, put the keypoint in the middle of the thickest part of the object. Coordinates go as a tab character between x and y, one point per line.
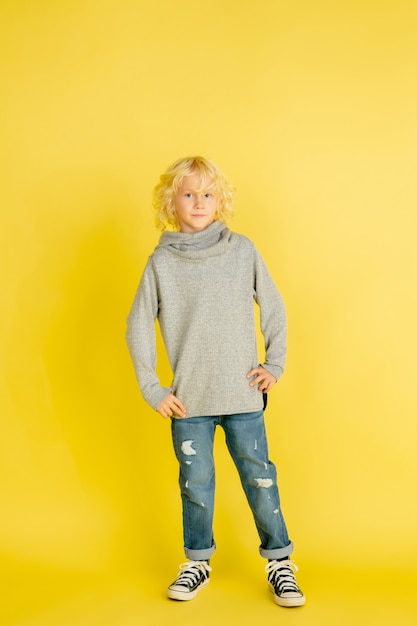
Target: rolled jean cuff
199	555
277	553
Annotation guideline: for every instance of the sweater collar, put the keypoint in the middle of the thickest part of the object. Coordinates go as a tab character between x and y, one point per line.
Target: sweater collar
211	241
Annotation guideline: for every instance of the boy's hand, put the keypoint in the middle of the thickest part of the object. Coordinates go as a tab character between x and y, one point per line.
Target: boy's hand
264	379
171	406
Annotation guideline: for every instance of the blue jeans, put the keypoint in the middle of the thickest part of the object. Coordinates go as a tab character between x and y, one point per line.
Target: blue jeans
193	440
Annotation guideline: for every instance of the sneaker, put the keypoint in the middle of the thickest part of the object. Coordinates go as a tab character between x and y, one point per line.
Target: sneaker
193	576
282	583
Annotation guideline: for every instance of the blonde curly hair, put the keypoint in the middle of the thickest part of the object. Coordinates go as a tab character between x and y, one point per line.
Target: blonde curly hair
171	180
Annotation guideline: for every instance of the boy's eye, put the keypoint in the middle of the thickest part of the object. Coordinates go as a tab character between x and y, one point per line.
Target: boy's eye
208	195
188	195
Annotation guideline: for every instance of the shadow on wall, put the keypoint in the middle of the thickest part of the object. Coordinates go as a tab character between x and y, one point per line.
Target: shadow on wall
81	425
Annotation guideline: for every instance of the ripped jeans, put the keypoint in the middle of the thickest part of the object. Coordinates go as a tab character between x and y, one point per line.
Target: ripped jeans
193	440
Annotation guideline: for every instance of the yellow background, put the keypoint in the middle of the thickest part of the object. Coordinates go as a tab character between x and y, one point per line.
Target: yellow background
310	108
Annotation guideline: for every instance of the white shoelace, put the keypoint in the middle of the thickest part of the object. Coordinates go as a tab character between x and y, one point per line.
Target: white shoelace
281	576
191	571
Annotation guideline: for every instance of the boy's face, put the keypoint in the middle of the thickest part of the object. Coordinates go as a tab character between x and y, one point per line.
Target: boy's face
195	208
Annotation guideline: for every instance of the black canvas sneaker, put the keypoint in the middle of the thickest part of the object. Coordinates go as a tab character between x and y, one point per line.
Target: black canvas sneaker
193	576
282	582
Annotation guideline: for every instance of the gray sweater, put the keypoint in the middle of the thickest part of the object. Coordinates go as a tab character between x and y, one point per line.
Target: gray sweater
202	287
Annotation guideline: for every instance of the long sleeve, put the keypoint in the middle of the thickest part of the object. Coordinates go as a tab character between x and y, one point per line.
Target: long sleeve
201	288
141	339
272	318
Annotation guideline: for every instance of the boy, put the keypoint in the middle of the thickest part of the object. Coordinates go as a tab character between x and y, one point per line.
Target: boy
201	282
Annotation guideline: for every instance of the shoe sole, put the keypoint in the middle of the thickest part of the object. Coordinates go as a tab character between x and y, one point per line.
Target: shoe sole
288	603
174	594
